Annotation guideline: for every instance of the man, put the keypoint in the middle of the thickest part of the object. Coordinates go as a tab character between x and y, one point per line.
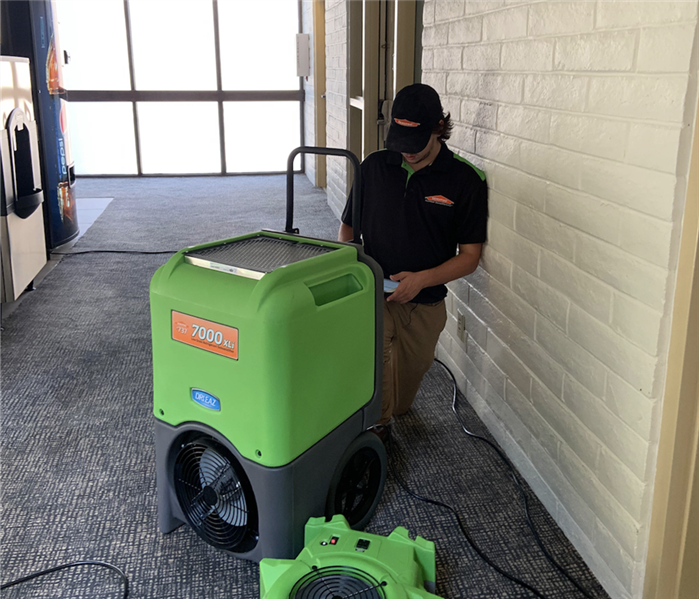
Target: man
420	201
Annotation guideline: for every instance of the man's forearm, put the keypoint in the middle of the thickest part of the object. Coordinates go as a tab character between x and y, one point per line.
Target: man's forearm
459	266
346	233
411	283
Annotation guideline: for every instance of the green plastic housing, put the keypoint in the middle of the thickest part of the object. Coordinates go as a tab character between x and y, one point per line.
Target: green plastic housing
406	566
306	349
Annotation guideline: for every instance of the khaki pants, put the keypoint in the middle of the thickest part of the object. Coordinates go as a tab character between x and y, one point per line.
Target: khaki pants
410	335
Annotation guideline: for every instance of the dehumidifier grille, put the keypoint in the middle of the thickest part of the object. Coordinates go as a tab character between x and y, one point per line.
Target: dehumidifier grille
337	582
215	495
260	254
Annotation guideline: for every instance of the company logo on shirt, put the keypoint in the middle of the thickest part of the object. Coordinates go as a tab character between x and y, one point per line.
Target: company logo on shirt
441	200
406	123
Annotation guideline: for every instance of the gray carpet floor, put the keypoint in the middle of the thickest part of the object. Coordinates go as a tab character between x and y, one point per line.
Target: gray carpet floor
78	464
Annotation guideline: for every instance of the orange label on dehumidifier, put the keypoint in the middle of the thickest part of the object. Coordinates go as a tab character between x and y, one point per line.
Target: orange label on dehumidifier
204	334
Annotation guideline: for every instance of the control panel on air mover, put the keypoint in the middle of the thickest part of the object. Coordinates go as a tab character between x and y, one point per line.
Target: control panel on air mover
361	546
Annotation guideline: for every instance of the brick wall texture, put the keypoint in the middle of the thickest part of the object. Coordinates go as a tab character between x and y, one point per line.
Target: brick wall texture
336	61
581	114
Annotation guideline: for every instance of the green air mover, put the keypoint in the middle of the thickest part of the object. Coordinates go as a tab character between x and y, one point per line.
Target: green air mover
338	563
266	375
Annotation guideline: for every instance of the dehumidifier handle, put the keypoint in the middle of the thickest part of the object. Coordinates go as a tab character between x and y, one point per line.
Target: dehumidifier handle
356	187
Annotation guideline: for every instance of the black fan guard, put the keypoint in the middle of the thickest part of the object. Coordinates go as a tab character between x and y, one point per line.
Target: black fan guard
215	494
337	582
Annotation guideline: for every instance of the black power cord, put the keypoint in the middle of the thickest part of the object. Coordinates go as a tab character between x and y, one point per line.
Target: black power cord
123	576
464	531
522	493
110	252
519	486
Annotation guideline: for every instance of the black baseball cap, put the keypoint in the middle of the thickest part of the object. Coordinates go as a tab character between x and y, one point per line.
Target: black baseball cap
416	112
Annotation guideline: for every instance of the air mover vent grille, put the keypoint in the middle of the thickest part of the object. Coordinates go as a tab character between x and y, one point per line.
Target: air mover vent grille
338	582
261	254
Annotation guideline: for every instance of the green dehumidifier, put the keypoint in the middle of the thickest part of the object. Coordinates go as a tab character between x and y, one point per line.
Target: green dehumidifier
267	364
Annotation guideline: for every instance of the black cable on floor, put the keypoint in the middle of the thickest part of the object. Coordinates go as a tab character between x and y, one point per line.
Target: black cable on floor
519	486
123	576
464	531
111	252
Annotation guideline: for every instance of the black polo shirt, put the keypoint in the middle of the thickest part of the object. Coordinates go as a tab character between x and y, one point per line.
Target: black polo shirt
413	221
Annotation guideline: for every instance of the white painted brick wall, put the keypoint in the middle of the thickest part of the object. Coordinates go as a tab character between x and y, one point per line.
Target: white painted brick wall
651	146
502	209
448	10
666	49
612	14
463	31
600	51
659	98
520	121
590	135
547	301
501	87
625	443
646	237
631	186
584	212
482	57
636	322
587	292
509	23
520	186
546	231
621	270
336	58
576	112
550	163
528	55
496	265
554	18
565	92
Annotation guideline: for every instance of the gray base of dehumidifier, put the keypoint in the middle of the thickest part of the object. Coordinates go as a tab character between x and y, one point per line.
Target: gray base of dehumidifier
286	496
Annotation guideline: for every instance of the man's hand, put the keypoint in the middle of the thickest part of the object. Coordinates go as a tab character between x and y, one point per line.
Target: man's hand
411	283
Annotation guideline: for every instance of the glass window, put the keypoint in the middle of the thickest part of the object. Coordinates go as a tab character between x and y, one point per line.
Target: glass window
260	135
94	35
173	44
258	44
174	50
179	137
102	138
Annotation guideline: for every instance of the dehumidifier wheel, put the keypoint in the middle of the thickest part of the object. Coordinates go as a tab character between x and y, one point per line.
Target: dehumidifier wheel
215	494
356	486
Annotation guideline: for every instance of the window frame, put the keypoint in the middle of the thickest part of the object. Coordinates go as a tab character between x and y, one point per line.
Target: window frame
219	96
